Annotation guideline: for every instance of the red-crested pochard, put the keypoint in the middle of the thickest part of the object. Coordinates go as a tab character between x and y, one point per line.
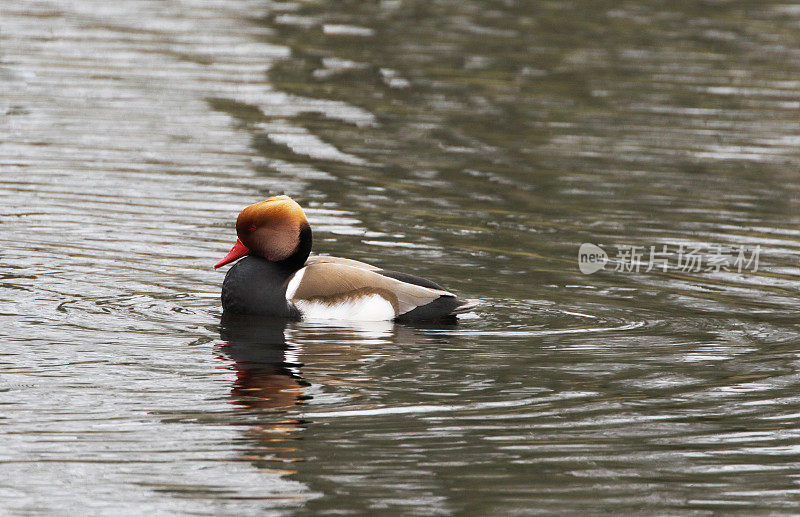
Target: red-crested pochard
277	277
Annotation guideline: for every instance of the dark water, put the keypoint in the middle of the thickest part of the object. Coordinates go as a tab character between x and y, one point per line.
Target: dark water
475	143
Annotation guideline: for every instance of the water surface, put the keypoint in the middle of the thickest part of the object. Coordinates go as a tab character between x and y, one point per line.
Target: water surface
474	143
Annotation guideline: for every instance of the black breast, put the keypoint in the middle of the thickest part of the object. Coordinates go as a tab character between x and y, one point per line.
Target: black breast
255	285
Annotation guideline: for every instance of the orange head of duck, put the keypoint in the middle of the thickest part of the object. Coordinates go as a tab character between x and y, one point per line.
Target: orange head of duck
275	229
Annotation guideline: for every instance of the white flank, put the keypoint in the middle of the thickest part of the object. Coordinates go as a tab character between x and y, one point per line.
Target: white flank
294	283
372	307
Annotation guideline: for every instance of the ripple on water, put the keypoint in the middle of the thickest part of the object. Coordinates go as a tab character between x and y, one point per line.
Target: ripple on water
475	146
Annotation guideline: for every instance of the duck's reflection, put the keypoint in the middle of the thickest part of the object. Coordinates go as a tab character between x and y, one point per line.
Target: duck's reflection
264	378
256	351
266	362
269	379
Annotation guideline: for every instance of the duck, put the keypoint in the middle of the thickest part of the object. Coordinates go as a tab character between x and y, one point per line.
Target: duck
276	275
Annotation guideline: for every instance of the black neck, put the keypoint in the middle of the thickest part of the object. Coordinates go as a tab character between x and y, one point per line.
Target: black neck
298	259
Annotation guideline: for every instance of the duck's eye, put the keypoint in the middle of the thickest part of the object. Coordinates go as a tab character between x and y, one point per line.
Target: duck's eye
252	227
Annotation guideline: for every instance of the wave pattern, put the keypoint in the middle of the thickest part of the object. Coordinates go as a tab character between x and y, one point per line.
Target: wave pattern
477	143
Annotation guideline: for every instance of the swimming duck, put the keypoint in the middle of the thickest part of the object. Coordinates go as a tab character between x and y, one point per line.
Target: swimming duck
278	277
